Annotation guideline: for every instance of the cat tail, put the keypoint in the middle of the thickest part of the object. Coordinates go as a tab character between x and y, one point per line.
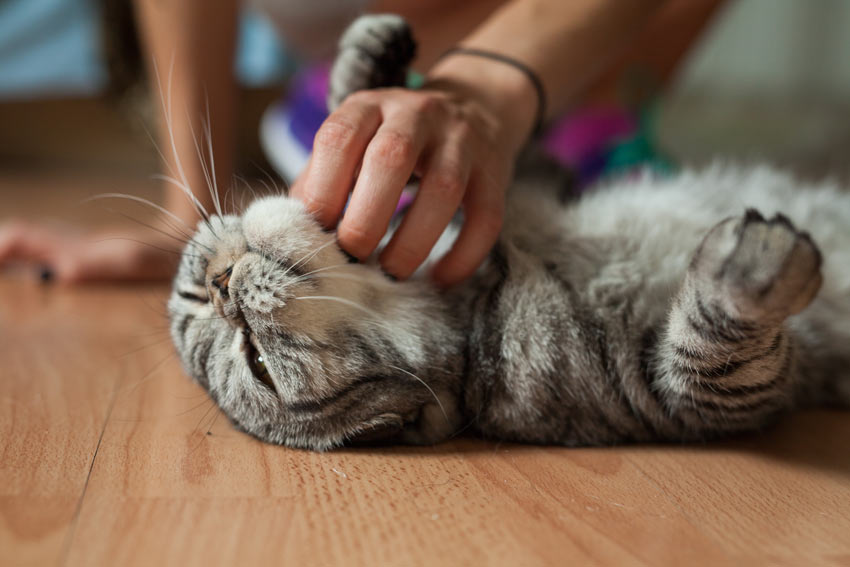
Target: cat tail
374	52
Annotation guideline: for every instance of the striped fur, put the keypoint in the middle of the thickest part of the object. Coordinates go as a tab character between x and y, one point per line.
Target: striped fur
650	310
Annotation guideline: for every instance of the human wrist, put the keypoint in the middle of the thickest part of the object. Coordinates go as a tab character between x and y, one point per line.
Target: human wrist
501	87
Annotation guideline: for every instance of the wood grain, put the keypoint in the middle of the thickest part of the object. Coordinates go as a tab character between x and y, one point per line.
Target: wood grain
110	456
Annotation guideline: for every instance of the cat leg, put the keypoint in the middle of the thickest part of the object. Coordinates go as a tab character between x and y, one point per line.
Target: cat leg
725	361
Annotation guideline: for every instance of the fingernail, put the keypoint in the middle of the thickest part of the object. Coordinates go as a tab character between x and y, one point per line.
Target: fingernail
389	276
352	259
46	275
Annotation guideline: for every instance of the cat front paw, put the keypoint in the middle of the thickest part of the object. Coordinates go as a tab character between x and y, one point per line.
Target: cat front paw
764	268
374	52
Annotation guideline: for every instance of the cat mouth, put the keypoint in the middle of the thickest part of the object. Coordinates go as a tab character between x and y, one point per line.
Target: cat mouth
225	305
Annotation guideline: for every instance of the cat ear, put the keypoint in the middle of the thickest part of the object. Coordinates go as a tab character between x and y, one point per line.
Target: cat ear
381	428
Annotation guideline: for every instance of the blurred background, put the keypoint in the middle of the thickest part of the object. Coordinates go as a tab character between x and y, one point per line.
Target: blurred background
73	91
769	81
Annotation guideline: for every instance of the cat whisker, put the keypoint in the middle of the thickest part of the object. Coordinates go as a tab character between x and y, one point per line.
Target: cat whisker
164	339
421	381
340	300
168	116
204	216
147	202
272	182
310	255
175	252
149	375
213	318
208	131
247	189
317	270
209	429
351	277
153	228
267	187
170	179
250	189
203	163
376	317
198	427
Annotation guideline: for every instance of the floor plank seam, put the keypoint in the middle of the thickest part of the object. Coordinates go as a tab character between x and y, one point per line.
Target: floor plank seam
66	548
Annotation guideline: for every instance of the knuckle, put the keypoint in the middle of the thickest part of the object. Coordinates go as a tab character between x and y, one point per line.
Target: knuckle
394	147
426	103
335	134
465	132
447	184
361	97
313	202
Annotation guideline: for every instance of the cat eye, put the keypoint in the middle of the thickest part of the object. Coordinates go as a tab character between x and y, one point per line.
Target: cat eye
257	364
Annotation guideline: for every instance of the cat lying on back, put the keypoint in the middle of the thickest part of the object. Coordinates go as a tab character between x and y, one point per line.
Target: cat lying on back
653	309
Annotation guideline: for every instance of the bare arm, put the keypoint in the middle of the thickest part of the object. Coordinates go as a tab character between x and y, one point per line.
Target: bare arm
569	44
198	37
194	41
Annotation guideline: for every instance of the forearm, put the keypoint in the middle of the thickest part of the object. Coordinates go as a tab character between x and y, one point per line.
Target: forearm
568	44
656	55
191	46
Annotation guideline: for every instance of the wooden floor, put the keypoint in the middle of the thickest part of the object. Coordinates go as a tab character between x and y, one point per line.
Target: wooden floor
110	456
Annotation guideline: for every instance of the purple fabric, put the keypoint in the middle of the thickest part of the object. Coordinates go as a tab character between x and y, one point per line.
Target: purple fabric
306	104
405	200
588	131
580	140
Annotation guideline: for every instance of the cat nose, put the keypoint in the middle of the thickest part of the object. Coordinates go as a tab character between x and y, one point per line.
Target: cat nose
221	281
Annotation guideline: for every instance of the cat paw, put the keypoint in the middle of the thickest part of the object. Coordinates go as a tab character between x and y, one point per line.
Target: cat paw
764	268
375	51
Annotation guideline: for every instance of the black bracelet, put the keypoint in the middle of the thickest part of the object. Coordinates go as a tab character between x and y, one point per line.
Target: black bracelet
525	69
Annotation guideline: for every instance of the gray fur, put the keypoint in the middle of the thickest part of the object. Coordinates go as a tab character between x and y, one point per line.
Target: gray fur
650	310
374	52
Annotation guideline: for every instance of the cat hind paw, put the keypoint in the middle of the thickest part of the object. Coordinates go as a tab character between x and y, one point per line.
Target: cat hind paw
766	267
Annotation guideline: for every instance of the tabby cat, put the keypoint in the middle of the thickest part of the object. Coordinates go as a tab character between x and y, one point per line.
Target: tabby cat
652	309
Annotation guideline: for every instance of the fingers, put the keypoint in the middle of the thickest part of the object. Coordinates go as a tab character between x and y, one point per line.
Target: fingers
35	248
381	137
484	212
440	194
106	257
388	162
71	258
22	243
337	148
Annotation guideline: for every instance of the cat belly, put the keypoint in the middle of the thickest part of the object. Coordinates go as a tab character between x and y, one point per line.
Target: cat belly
584	286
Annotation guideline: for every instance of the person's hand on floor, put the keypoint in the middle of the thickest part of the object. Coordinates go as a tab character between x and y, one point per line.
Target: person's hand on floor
73	257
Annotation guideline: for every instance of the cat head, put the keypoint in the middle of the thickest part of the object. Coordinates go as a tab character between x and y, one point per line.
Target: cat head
297	346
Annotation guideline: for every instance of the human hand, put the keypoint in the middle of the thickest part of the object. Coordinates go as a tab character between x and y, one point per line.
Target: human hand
461	133
71	257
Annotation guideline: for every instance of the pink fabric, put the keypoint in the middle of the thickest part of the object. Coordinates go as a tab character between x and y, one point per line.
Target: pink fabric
584	134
